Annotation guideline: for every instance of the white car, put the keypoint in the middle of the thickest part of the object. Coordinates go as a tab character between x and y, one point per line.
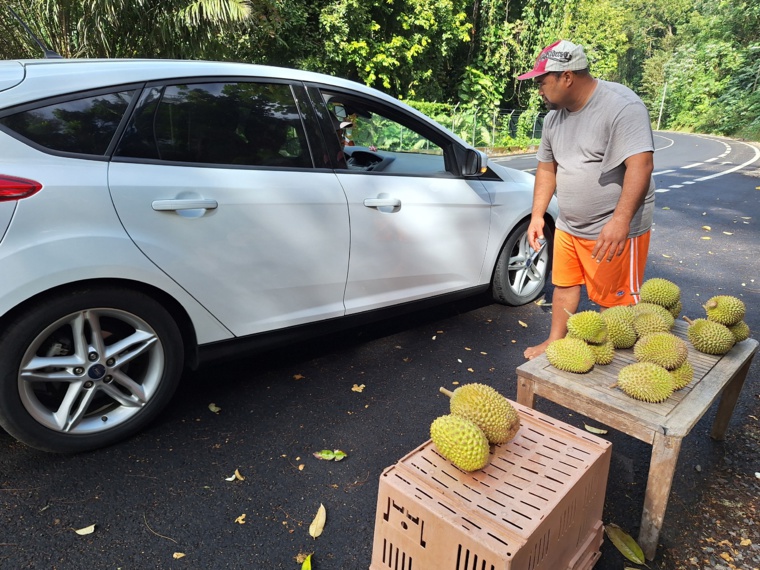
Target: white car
155	214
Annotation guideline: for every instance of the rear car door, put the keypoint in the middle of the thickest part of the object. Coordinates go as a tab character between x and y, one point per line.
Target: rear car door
214	181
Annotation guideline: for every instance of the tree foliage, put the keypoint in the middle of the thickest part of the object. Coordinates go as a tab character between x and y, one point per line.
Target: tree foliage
701	55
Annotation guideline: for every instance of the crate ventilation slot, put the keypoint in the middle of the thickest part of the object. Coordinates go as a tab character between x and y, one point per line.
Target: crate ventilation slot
395	558
467	560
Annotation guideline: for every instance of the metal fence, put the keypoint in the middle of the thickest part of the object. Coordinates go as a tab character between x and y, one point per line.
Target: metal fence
502	128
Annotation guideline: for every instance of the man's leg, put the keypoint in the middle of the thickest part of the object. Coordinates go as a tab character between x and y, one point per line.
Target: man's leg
564	299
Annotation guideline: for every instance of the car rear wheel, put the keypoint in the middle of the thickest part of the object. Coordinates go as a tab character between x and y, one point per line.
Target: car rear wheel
521	273
87	368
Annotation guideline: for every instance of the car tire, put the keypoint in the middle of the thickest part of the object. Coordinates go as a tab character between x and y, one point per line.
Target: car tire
87	368
518	278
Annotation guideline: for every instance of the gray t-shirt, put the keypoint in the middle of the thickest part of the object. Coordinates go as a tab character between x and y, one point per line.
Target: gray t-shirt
590	147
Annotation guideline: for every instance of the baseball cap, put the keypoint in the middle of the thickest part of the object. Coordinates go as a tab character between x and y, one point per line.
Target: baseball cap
560	56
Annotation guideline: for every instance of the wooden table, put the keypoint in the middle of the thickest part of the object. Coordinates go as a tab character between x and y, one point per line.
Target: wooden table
663	425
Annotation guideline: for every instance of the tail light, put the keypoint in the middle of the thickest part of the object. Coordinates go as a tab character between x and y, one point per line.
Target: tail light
13	188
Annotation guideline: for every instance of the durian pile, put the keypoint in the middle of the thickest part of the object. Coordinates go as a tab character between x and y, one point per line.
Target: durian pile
479	416
662	366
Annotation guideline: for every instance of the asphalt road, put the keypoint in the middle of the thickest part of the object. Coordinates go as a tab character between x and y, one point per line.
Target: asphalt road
372	392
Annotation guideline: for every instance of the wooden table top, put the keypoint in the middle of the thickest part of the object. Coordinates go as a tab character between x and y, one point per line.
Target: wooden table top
592	395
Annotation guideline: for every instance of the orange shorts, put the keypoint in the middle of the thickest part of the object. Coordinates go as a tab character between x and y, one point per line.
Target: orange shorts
616	282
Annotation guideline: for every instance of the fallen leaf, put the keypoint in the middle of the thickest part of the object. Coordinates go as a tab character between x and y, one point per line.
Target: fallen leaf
86	530
240	519
178	555
433	337
298	376
357	388
705	237
214	408
726	556
301	466
483	353
306	563
467	348
745	542
340	455
470	370
522	324
668	256
708	228
318	524
625	543
666	208
595	430
728	233
235	475
325	455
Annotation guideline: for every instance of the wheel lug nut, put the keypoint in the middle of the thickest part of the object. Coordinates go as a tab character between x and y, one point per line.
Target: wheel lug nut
110	361
88	384
92	356
78	370
108	379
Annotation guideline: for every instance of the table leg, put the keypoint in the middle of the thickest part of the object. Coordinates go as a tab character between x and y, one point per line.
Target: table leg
526	391
661	469
728	402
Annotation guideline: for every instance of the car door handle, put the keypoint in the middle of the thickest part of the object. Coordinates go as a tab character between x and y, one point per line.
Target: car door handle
380	202
171	205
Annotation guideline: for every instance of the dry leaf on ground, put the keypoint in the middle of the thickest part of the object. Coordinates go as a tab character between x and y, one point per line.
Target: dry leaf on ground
318	524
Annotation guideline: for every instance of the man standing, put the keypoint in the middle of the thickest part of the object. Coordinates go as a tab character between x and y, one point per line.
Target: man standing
596	152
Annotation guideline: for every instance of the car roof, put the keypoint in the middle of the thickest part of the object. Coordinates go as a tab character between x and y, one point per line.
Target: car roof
42	78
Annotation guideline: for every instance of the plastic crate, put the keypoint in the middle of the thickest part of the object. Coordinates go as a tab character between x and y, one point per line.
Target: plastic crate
536	506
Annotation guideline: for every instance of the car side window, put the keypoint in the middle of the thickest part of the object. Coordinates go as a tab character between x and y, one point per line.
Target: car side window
247	124
377	139
82	126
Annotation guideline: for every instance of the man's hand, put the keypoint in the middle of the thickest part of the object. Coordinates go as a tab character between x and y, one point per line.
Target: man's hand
535	233
611	240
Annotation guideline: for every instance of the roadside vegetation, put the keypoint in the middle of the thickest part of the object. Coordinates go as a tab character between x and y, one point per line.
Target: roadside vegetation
696	63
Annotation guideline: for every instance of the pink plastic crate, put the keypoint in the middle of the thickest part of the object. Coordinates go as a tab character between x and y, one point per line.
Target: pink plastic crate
536	506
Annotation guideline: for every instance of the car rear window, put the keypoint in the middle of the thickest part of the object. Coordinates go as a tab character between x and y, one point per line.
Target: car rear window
235	123
83	126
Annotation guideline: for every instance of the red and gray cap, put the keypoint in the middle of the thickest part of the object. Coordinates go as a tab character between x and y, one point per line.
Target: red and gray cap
560	56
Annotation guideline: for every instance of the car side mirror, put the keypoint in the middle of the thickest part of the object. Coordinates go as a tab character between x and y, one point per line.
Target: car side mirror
475	163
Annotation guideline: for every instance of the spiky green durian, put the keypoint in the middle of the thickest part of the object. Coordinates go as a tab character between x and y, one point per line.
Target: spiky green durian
570	354
649	322
709	337
460	441
487	409
682	375
740	331
619	321
725	309
676	309
587	326
646	381
666	315
662	348
603	353
660	292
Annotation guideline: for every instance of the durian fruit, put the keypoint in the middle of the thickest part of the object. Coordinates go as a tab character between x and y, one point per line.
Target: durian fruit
587	326
662	348
649	322
660	292
603	353
646	381
570	355
682	375
487	409
460	441
676	309
740	331
619	321
725	309
709	337
666	315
